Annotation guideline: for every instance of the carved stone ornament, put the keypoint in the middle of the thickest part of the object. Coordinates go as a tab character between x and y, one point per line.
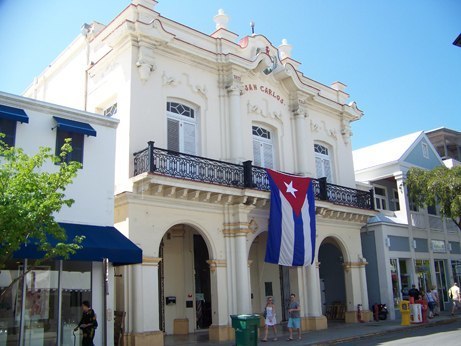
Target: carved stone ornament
315	127
255	109
346	130
144	69
169	80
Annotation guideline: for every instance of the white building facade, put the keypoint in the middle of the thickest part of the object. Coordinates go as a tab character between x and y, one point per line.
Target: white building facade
53	292
403	244
200	117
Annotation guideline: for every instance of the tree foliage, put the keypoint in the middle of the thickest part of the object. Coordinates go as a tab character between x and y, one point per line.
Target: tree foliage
440	186
30	196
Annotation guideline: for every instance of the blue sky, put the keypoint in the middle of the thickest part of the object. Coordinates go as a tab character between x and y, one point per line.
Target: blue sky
396	57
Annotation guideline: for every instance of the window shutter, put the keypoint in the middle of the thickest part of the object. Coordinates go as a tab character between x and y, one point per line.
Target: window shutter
318	167
173	134
327	169
189	138
257	153
268	155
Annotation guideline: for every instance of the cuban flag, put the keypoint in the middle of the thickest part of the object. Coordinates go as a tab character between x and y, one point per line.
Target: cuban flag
291	238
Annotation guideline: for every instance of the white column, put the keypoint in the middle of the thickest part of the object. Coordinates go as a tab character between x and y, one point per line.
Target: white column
235	122
145	296
242	280
314	299
219	292
364	287
301	132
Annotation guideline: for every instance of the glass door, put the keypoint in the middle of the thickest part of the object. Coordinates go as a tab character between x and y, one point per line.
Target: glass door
441	278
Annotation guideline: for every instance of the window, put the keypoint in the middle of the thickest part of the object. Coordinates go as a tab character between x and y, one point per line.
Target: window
181	128
77	145
425	148
111	110
8	128
263	153
323	162
395	199
74	130
9	116
380	198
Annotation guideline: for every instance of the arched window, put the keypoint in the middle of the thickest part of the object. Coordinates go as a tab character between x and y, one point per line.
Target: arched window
181	128
323	162
263	150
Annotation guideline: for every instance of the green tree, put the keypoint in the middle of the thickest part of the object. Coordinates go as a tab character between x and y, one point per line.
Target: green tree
440	186
30	196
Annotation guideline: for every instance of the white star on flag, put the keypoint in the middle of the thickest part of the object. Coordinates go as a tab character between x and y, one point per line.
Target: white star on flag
290	188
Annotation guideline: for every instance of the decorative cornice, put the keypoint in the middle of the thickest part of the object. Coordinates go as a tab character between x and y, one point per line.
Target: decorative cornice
236	232
151	261
349	265
215	264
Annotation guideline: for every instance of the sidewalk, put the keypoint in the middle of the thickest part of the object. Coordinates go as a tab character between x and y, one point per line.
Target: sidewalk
336	332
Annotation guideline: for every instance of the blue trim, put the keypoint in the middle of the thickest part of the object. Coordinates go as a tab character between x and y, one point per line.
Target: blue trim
12	113
75	126
100	242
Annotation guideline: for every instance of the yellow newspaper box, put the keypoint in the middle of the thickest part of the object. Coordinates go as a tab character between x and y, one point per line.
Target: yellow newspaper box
405	311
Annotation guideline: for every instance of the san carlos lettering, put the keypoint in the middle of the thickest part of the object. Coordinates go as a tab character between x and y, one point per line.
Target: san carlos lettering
264	89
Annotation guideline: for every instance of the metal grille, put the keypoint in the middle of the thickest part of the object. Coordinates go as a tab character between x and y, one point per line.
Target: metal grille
349	197
174	164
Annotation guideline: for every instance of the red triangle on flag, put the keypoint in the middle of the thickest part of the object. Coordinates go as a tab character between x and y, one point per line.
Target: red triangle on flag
292	187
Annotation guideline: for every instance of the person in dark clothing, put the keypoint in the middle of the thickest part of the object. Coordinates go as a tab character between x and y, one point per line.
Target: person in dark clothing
414	292
87	324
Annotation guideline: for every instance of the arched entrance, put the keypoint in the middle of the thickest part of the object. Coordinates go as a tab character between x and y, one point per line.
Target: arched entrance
332	281
268	280
184	281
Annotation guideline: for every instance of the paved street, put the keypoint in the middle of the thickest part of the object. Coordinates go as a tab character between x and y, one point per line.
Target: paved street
437	334
441	330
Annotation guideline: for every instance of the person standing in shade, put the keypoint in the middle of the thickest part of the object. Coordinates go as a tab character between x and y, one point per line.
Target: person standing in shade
453	294
269	315
294	319
435	295
87	324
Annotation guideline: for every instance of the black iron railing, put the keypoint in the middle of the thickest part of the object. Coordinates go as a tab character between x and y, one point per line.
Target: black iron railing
174	164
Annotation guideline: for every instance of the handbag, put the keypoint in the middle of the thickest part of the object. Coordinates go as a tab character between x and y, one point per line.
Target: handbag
265	313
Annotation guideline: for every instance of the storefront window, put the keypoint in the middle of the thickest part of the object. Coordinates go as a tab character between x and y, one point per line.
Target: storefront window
423	272
404	278
76	287
395	281
29	309
456	268
10	282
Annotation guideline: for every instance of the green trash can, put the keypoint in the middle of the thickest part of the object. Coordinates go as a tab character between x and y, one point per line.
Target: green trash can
246	329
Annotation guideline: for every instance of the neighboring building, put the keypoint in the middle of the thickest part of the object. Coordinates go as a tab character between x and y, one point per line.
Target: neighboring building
447	142
194	201
53	292
404	245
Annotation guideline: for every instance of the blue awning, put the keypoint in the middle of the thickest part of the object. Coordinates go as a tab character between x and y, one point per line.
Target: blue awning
12	113
75	126
100	242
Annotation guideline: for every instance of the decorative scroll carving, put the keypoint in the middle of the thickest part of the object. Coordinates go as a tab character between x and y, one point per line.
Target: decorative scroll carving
169	80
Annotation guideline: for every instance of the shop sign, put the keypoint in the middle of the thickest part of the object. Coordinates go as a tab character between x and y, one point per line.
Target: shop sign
438	246
265	90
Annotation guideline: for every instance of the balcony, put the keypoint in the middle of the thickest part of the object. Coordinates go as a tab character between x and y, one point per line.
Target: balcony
246	176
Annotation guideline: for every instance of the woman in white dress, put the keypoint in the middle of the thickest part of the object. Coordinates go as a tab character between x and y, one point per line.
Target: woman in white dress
269	312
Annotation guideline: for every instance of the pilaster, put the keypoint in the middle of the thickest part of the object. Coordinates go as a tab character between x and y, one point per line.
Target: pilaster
234	90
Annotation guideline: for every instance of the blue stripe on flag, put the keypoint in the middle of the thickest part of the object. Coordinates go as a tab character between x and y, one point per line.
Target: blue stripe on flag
298	255
274	238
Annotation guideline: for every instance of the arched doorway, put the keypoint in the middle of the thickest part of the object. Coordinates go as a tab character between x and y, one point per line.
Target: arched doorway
268	280
184	281
332	281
